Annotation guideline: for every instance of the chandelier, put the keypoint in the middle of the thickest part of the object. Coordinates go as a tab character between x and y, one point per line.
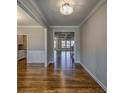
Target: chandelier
66	9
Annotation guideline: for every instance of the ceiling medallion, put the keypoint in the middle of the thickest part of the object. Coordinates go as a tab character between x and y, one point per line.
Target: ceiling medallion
66	9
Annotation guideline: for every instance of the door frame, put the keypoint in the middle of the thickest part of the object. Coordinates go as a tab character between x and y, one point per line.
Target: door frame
64	31
45	46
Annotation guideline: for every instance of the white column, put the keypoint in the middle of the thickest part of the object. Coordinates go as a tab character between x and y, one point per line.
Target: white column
45	46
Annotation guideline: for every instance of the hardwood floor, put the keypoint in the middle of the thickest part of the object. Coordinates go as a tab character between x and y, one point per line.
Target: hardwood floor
57	78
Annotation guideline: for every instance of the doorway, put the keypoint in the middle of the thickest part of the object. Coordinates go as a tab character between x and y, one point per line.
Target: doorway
22	47
64	49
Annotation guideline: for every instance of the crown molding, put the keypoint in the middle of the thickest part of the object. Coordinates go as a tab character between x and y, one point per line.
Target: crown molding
58	27
28	11
28	26
26	8
100	3
65	28
40	12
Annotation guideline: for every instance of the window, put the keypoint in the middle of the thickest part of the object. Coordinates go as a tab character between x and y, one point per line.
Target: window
72	43
67	44
54	43
63	44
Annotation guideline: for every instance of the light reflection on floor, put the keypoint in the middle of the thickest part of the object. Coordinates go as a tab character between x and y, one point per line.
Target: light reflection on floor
63	61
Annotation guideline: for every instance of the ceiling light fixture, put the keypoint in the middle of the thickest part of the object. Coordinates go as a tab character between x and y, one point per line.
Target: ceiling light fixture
66	9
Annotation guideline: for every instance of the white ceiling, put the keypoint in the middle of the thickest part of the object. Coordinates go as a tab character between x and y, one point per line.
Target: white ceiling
50	9
23	19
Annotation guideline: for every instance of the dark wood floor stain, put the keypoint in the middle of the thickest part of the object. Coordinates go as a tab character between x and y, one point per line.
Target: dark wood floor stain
34	78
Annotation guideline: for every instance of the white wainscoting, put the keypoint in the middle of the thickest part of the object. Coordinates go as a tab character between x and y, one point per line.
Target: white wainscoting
94	77
36	56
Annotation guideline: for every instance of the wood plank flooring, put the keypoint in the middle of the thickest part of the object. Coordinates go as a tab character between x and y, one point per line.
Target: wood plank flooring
34	78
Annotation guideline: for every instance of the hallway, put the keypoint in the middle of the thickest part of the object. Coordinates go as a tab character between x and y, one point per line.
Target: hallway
63	60
62	77
66	48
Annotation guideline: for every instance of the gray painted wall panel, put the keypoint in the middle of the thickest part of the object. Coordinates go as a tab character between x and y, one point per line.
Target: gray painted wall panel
93	39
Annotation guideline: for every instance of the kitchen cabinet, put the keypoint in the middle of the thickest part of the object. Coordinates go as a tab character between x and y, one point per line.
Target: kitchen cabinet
22	46
20	39
24	42
21	54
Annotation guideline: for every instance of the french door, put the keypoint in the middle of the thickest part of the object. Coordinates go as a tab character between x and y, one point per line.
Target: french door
67	44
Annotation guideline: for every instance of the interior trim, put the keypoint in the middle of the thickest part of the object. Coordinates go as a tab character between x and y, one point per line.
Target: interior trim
40	12
94	77
61	27
29	26
29	12
100	3
26	10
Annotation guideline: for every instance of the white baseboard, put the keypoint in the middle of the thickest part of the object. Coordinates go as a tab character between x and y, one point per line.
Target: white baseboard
50	62
95	78
36	62
53	61
77	61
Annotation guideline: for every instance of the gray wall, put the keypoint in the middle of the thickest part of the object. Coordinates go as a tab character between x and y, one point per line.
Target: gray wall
35	43
93	40
35	37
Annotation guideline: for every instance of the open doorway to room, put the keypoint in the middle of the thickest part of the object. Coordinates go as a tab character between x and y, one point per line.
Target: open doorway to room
22	47
64	47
